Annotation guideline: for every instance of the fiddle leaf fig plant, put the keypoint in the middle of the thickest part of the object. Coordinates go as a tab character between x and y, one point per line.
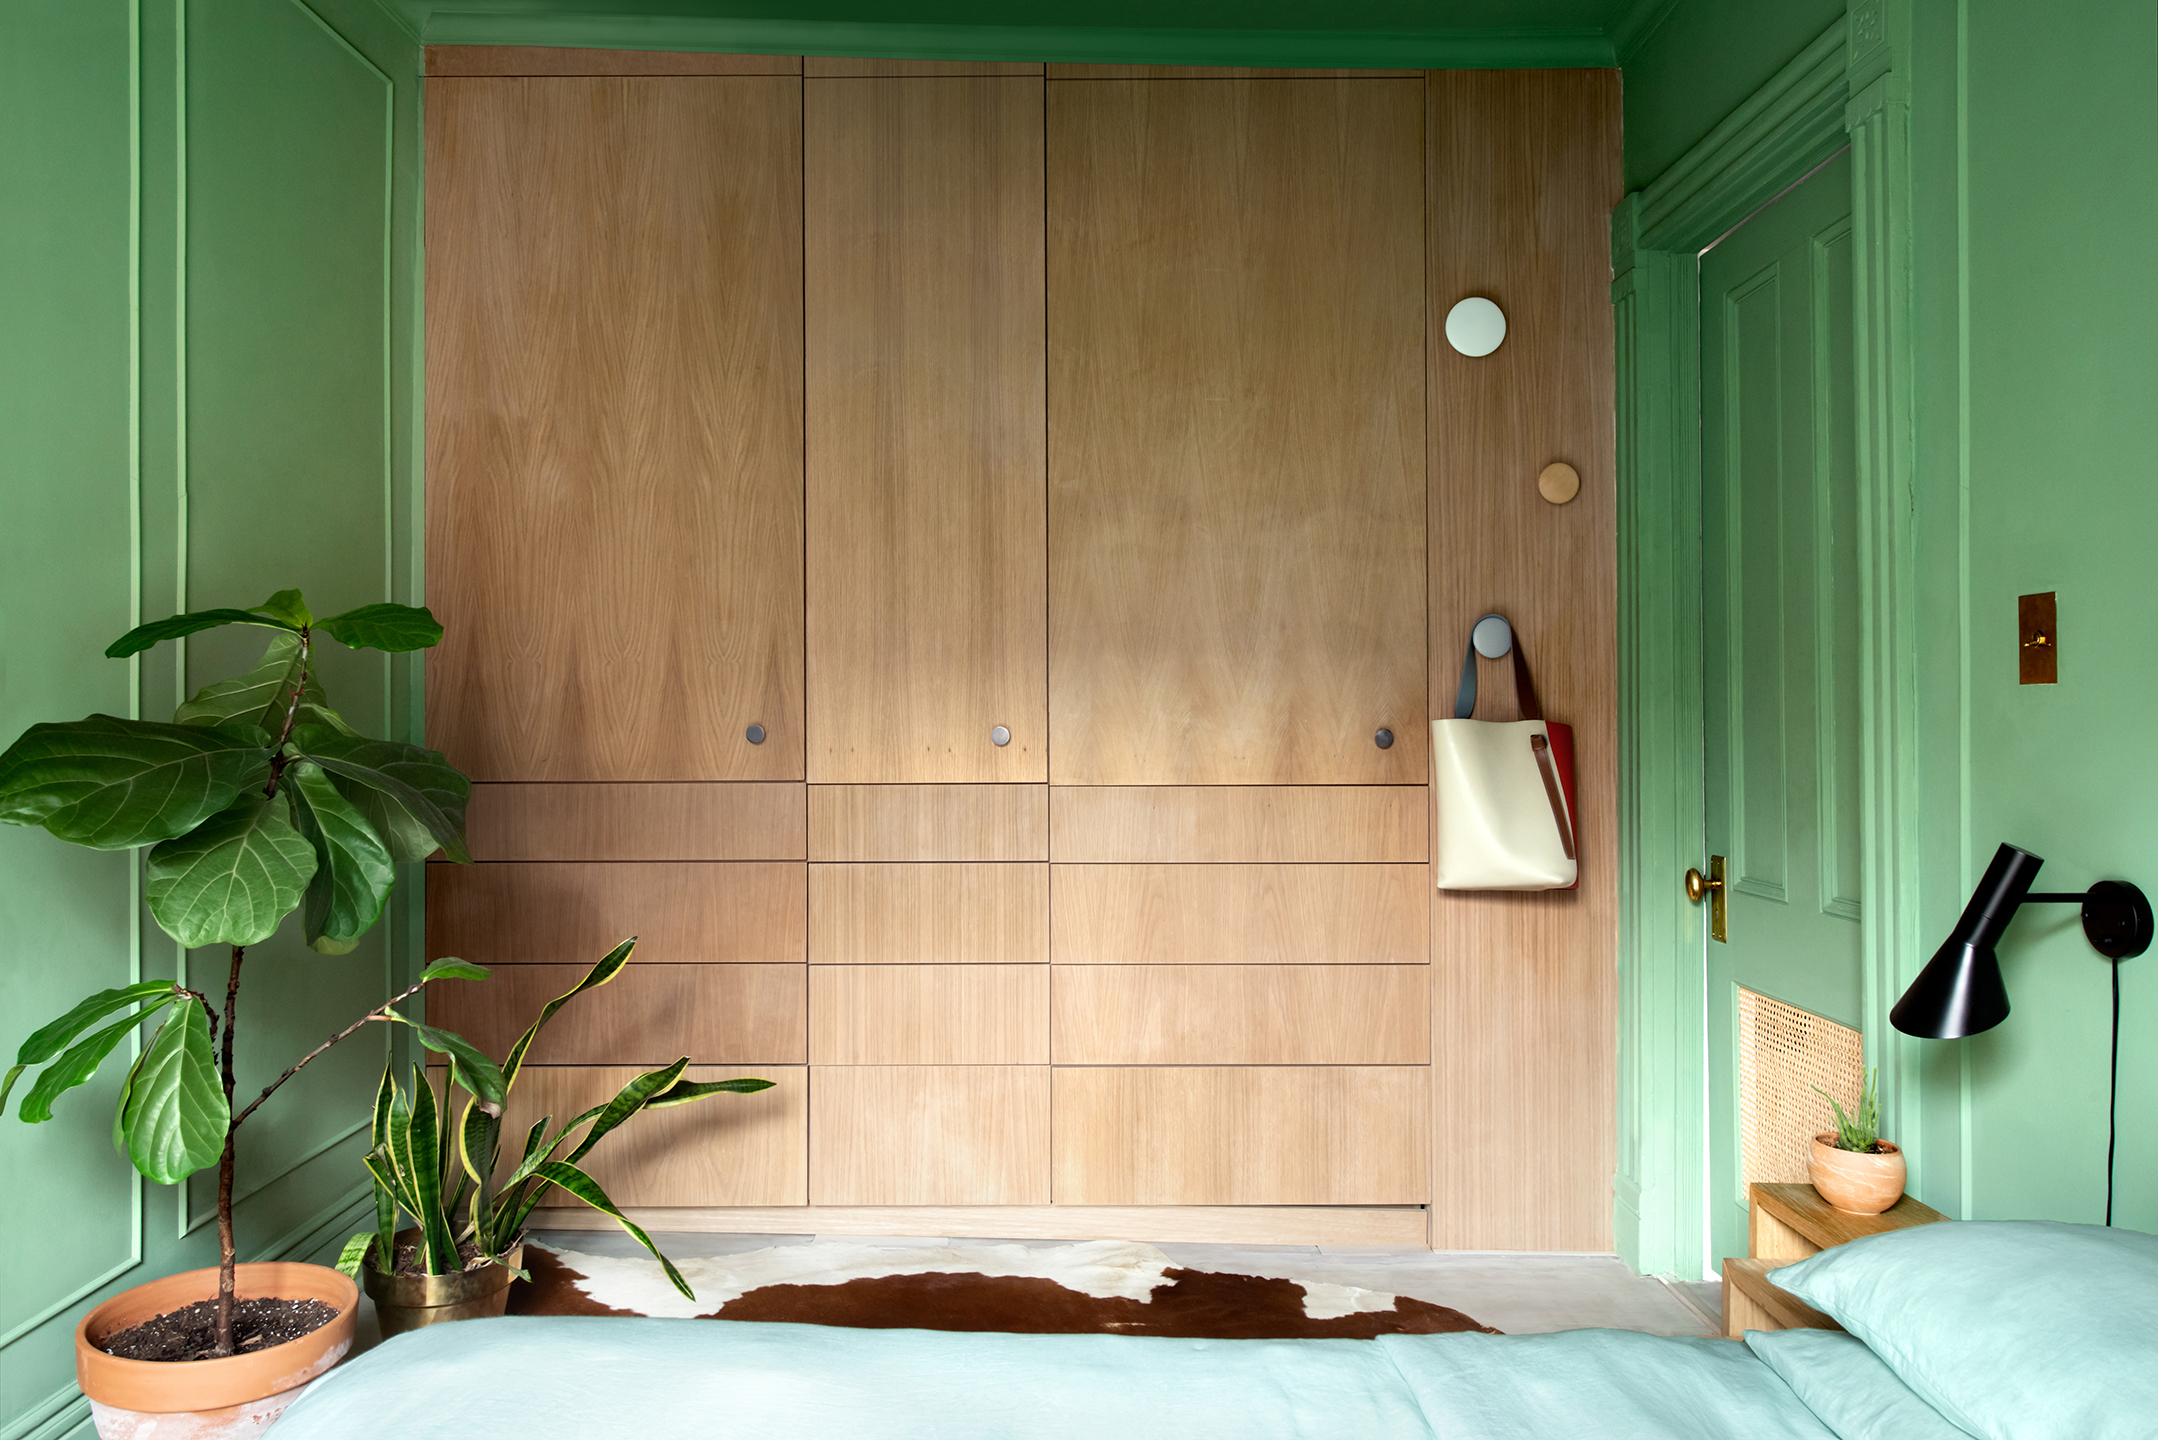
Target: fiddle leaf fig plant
257	801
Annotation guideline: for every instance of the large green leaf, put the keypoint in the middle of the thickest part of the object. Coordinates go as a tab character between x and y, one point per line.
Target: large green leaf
609	966
79	1062
684	1091
263	696
574	1181
176	1114
286	607
475	1071
627	1102
419	1157
414	799
111	784
353	870
48	1040
142	637
449	967
234	878
384	627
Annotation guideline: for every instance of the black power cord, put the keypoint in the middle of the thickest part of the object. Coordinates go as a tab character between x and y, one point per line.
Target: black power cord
2113	1089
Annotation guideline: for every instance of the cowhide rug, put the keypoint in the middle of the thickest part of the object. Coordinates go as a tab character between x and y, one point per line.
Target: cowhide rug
1097	1287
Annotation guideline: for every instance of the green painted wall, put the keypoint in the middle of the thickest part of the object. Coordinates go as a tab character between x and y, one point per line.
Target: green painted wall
207	392
1687	70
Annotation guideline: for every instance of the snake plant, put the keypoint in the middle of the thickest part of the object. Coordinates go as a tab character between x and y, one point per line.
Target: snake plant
443	1174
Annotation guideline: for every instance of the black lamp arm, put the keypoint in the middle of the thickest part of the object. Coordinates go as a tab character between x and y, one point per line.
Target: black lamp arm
2072	898
2117	917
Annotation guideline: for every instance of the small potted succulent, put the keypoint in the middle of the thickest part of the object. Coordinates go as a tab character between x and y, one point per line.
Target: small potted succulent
466	1244
257	801
1854	1169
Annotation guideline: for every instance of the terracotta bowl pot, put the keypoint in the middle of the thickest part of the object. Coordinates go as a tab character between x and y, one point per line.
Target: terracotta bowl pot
1856	1183
225	1399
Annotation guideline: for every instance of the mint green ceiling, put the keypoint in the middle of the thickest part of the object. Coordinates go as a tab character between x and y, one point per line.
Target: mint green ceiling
1320	32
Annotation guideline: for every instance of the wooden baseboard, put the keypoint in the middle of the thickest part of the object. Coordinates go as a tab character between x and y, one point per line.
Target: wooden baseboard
1396	1227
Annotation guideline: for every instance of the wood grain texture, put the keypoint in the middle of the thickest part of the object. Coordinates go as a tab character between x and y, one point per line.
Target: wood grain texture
727	1150
929	1135
1239	914
1523	168
1229	824
445	60
1791	1221
1243	1135
929	1015
1236	432
614	426
833	66
1216	72
929	822
752	913
912	914
1752	1300
542	821
1398	1227
927	569
647	1015
1241	1015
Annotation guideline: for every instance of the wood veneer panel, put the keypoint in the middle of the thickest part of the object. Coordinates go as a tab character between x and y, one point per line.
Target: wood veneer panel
1243	1135
1214	72
1134	824
929	1135
912	914
835	66
727	1150
614	426
1240	914
1399	1227
929	1014
929	822
1523	172
647	1015
446	60
1241	1015
637	822
751	912
1236	432
927	569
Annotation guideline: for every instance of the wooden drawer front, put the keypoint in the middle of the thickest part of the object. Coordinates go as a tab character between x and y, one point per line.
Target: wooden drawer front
929	914
749	913
647	1015
636	822
929	1135
1241	914
929	1014
1250	1135
928	822
726	1150
1219	824
1242	1015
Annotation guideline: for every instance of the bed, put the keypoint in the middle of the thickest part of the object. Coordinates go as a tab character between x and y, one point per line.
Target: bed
2023	1331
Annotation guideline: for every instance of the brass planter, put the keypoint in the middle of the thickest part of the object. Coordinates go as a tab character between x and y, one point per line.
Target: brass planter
406	1302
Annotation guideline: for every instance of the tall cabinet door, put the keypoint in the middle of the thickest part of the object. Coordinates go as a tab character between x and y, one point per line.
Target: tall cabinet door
614	370
1236	432
926	585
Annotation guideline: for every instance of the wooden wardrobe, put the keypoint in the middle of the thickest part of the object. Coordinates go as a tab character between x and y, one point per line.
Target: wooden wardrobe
958	560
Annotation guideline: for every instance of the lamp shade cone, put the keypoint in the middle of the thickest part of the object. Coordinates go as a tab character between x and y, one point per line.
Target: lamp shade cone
1960	991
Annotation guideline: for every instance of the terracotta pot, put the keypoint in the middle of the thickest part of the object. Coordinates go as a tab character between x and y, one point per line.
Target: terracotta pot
1854	1182
227	1399
406	1302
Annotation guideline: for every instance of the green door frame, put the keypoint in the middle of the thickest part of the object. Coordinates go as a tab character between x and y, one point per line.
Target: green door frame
1844	89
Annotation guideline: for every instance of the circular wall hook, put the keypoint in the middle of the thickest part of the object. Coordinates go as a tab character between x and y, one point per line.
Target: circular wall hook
1492	637
1475	326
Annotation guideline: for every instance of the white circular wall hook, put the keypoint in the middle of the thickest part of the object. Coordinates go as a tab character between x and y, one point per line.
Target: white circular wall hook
1492	637
1475	326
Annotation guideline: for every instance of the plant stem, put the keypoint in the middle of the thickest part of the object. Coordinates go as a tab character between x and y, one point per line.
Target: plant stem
228	1255
380	1012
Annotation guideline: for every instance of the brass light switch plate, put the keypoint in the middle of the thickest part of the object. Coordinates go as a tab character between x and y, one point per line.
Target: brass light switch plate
2038	641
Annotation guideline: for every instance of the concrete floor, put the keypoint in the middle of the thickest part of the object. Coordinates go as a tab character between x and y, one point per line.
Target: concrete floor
1519	1294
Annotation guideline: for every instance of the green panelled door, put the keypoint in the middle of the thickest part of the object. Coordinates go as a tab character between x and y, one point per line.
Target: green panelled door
1780	616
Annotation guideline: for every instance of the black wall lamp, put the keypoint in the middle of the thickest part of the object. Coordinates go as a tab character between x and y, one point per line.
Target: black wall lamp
1960	991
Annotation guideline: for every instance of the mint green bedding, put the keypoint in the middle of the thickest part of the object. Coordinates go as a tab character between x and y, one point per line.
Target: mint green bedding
576	1378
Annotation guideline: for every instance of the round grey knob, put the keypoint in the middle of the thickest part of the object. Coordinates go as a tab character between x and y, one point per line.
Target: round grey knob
1384	739
755	734
1000	736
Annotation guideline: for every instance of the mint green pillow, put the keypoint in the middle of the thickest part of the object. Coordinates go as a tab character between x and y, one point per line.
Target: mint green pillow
2014	1330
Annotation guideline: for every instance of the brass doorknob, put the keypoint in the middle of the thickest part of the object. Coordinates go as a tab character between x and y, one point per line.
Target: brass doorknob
1709	887
1699	887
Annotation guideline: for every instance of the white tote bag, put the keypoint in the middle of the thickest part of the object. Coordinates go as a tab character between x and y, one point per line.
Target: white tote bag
1503	788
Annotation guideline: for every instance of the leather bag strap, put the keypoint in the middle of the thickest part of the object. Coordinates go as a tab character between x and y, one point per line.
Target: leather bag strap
1524	688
